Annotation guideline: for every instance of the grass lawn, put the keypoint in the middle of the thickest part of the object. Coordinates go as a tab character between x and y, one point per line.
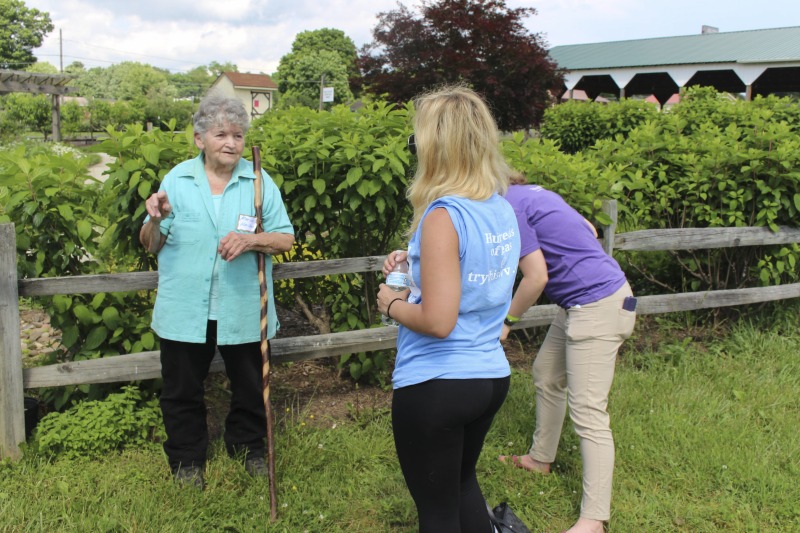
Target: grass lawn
707	440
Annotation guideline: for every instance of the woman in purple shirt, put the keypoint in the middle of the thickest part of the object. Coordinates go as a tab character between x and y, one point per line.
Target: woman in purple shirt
560	256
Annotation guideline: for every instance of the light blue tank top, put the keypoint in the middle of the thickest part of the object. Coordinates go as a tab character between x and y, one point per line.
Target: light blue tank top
488	247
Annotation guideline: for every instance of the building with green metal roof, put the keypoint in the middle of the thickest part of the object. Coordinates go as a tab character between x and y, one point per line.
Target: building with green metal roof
754	62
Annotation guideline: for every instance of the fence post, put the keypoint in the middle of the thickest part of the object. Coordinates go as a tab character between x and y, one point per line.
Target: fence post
12	410
609	208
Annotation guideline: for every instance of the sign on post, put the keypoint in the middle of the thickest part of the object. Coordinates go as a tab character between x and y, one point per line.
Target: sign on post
327	94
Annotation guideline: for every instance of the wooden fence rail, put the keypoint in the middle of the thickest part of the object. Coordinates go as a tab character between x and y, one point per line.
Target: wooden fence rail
146	365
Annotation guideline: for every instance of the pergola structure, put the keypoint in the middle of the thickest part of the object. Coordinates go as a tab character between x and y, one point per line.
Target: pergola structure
755	62
16	81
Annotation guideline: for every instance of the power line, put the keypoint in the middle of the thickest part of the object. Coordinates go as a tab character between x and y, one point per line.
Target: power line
135	54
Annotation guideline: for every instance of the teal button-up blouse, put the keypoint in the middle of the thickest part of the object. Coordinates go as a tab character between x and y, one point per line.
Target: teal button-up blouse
186	261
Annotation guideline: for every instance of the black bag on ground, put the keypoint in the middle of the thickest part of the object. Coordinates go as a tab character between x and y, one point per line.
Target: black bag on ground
506	521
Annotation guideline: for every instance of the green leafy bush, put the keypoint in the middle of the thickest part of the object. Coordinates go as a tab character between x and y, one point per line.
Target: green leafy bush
711	161
141	160
24	112
580	179
675	173
45	193
97	427
96	326
576	125
343	175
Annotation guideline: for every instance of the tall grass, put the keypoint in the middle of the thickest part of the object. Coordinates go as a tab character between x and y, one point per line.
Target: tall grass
707	440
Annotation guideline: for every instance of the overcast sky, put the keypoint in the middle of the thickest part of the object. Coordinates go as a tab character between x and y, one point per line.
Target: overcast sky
254	34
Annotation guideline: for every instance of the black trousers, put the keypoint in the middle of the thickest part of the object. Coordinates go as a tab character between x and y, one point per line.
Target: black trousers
184	367
439	428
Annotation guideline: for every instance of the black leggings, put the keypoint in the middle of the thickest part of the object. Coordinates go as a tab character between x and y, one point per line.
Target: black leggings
439	428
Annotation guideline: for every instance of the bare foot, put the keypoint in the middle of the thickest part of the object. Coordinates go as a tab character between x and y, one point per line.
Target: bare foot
586	525
526	462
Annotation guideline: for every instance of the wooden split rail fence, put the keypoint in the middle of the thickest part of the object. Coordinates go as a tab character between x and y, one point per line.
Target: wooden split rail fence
146	365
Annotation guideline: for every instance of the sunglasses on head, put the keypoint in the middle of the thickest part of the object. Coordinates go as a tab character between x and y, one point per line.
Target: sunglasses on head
412	145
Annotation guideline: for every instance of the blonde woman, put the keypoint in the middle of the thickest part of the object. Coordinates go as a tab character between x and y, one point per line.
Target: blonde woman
451	375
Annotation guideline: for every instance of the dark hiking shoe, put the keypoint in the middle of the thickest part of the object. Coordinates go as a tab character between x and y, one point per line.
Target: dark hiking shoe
190	476
256	466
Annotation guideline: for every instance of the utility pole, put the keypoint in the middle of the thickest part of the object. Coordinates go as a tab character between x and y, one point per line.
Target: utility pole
55	108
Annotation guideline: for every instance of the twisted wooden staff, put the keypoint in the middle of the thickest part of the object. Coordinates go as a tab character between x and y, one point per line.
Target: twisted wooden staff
262	280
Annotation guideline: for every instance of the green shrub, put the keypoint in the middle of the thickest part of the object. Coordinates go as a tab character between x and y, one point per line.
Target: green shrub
575	125
141	160
580	179
98	427
96	326
45	193
24	112
675	173
711	161
704	105
343	175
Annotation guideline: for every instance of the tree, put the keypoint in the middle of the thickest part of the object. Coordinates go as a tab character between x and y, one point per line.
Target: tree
74	118
193	83
299	83
21	30
216	68
75	68
128	80
94	83
41	67
480	42
326	52
332	40
26	112
124	113
137	80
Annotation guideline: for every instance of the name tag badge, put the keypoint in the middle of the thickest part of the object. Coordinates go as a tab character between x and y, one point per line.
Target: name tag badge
246	223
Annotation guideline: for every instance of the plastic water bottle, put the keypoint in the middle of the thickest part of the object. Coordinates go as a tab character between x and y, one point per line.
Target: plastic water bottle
397	280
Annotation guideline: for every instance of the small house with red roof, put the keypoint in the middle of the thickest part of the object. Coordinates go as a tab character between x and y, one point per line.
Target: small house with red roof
256	91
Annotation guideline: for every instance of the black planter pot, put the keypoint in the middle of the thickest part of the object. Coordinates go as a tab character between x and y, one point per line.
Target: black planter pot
31	415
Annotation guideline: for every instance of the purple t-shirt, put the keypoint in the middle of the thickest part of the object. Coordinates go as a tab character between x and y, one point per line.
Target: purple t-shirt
579	271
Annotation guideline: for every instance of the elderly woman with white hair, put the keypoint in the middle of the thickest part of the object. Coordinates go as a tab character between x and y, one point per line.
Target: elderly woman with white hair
201	223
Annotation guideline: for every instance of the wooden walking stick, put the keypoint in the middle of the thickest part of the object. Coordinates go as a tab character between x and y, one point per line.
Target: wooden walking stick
262	281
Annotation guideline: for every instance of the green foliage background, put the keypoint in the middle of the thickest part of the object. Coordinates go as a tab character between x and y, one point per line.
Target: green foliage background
709	162
343	175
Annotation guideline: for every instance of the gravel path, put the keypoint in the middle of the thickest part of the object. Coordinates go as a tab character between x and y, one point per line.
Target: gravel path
97	170
37	337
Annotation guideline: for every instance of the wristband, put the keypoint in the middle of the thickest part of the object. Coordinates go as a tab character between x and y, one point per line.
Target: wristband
510	320
389	307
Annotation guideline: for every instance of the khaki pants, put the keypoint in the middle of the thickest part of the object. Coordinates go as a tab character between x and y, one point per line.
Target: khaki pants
575	367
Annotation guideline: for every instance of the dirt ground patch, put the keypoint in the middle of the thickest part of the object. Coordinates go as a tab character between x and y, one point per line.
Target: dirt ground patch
315	391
